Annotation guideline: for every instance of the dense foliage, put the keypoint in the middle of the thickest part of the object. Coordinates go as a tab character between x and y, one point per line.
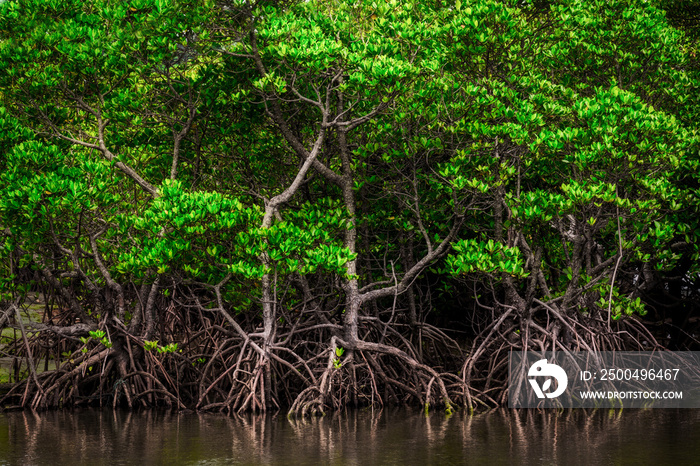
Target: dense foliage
234	205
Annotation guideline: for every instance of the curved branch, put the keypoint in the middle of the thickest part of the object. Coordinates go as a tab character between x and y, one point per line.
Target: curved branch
414	271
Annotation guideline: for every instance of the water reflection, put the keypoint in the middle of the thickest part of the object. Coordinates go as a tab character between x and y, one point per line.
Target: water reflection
357	437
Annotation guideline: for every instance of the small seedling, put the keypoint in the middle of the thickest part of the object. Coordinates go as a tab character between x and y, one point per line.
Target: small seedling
150	345
97	334
169	348
339	351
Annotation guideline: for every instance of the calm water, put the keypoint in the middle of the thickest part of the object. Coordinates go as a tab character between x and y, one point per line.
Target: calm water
391	437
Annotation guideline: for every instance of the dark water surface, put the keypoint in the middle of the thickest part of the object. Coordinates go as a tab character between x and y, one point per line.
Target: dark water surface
94	437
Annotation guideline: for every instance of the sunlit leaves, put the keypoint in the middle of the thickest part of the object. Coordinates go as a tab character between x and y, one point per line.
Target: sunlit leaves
488	257
553	128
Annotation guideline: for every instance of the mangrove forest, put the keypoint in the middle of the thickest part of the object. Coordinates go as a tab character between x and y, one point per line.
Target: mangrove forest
261	205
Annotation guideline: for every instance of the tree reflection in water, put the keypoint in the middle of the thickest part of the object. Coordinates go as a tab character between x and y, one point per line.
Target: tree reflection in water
355	437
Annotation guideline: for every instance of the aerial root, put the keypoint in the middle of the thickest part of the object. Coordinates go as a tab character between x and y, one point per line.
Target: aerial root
364	375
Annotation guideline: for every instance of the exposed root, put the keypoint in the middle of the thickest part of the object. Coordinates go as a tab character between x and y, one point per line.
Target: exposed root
375	374
206	359
546	328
